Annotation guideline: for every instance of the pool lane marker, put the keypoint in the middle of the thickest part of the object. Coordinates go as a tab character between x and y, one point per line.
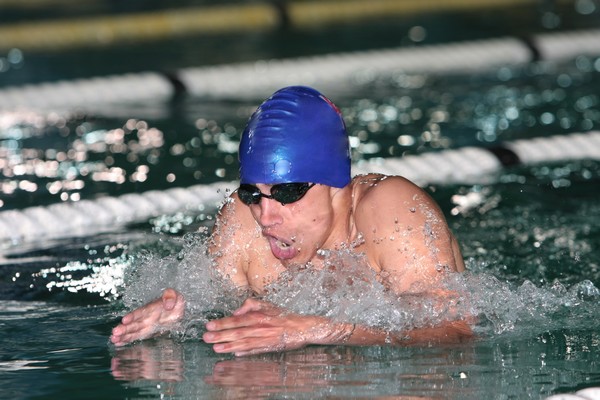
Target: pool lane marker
531	44
258	79
506	156
467	165
472	165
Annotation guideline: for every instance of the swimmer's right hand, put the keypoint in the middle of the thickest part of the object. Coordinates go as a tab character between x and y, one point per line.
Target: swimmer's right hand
151	319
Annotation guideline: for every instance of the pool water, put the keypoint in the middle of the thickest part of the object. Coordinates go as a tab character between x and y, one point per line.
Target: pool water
530	239
530	244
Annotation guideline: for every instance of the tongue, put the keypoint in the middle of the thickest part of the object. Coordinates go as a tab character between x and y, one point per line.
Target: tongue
281	250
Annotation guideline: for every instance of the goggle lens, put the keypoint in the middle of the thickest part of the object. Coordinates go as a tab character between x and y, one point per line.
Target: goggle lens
285	193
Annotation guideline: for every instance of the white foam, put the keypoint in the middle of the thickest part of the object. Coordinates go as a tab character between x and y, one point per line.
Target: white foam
346	289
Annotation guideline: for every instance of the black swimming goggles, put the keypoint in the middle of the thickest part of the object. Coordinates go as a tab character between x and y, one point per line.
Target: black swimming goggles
285	193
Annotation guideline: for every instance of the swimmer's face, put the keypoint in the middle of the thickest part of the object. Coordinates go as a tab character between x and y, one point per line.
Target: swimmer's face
297	230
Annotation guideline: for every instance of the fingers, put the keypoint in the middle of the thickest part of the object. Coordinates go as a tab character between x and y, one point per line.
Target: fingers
243	332
248	341
136	329
237	321
133	332
146	321
237	332
127	330
256	332
136	315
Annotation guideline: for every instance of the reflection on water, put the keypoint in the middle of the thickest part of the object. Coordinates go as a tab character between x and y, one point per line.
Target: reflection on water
158	361
68	365
515	367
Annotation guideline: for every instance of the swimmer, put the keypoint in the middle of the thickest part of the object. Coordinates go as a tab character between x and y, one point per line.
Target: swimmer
296	200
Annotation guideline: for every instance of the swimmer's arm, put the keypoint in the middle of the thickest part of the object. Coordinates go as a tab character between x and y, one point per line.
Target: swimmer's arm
162	314
261	327
410	244
444	333
414	250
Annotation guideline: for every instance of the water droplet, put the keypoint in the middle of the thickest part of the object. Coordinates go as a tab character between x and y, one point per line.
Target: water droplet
388	338
323	252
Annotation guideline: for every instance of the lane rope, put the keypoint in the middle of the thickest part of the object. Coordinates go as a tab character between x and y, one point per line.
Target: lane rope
466	165
260	78
462	165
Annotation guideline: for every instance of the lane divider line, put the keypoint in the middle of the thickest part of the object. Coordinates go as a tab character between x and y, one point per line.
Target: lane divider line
468	165
260	78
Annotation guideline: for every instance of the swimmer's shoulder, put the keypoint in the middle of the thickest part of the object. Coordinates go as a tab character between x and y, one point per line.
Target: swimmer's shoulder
377	187
378	199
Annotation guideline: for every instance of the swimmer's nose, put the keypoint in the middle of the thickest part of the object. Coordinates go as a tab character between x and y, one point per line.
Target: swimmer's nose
269	212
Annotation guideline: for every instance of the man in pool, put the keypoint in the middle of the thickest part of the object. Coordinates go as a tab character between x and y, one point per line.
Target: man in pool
295	202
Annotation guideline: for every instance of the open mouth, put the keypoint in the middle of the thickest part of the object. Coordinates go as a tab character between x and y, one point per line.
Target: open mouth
281	249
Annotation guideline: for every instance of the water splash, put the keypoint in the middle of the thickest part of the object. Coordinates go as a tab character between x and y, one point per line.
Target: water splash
346	289
505	307
189	269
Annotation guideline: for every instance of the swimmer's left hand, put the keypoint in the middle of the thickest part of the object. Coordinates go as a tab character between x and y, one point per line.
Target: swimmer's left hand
261	327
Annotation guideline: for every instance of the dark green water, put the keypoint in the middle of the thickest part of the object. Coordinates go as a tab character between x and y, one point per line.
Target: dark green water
530	242
537	224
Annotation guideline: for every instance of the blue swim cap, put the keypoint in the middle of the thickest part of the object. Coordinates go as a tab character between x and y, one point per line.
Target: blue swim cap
296	135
